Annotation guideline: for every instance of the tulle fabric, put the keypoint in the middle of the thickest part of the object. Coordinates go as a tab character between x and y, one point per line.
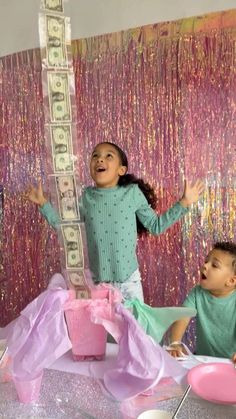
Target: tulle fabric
141	362
39	336
156	320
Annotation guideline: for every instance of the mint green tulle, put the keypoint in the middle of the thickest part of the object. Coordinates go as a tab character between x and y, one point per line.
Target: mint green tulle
156	320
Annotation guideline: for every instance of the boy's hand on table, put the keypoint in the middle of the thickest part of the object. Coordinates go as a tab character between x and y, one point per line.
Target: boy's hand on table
176	350
234	359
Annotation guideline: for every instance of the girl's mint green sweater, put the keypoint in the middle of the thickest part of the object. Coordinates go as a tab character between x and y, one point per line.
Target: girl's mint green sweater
109	215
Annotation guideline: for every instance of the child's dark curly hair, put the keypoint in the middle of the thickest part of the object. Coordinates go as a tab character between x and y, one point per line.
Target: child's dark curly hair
228	247
128	178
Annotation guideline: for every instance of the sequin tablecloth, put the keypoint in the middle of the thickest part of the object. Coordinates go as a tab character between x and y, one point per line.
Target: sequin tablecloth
68	391
68	395
194	408
63	395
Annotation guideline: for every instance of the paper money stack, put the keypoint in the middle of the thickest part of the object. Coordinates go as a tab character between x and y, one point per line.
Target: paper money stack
60	131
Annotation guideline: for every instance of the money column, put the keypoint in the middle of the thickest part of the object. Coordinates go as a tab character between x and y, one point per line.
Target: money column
60	137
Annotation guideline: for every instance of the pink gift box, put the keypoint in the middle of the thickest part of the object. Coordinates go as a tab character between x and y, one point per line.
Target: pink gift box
88	339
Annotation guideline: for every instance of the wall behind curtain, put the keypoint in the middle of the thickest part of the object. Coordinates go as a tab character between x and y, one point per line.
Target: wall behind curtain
166	94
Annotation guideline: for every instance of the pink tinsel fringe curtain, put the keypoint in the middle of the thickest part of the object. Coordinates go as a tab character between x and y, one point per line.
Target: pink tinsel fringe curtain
167	97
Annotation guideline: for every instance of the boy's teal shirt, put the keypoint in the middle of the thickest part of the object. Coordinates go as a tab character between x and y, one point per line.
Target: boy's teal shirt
216	322
109	215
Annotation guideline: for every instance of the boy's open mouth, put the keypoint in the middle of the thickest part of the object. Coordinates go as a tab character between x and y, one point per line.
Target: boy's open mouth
203	276
100	169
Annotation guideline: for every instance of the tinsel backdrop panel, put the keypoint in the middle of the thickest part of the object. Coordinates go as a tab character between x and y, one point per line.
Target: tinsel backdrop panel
166	94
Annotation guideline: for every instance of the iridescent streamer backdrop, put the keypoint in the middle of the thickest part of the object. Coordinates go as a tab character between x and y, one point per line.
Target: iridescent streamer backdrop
166	94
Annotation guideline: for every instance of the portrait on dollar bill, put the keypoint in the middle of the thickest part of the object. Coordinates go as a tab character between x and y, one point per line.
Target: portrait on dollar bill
59	96
56	51
53	5
78	283
61	141
77	278
73	246
67	197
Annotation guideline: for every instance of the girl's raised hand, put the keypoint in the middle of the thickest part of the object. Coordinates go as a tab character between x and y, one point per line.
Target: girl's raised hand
35	194
192	192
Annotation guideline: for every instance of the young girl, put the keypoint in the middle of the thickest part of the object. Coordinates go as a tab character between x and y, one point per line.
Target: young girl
114	211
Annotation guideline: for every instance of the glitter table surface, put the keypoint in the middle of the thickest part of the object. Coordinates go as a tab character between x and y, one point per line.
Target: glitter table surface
194	408
68	395
63	395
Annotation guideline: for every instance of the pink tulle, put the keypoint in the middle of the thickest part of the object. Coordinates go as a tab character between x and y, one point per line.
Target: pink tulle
141	363
39	336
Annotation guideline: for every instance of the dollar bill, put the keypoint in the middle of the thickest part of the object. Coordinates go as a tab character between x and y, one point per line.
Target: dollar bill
77	278
67	197
55	41
57	56
73	246
79	284
59	96
63	162
82	294
61	141
52	5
